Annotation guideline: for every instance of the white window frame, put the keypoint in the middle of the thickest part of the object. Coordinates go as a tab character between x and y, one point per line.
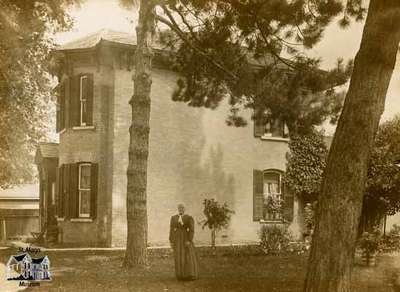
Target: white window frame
277	195
267	134
82	215
82	102
53	193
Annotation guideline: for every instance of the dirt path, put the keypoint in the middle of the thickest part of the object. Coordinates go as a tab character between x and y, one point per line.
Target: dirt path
394	274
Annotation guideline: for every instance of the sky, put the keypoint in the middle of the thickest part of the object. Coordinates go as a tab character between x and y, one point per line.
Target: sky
94	15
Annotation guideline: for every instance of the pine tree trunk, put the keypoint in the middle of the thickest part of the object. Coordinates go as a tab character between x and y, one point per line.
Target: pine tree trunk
339	208
136	201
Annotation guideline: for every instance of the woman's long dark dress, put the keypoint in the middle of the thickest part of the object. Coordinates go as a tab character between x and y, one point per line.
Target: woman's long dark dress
181	238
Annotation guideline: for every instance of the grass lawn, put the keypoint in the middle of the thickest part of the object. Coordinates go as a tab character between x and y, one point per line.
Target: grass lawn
101	271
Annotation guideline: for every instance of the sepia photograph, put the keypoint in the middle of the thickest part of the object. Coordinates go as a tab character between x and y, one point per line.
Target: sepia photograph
200	145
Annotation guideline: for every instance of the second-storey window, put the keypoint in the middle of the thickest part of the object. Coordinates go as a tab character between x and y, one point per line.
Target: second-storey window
84	190
61	106
81	100
83	96
273	128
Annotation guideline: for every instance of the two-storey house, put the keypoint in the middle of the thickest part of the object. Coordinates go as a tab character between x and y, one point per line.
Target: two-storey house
193	154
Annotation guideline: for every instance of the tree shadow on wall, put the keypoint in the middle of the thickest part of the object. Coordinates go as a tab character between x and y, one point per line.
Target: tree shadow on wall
206	180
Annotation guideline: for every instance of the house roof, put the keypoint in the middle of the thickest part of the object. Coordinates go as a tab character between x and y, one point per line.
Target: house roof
38	260
93	39
19	192
20	257
48	149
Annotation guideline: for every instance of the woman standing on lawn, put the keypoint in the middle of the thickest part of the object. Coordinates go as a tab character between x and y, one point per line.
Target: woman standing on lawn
181	235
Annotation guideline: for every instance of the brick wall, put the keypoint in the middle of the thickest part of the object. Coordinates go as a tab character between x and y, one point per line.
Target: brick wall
193	155
90	145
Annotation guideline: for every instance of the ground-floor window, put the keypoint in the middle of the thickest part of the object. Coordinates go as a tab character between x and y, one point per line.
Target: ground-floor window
268	195
77	190
84	190
272	195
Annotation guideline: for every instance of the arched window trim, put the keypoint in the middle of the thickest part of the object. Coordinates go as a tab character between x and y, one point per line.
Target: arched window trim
276	171
273	170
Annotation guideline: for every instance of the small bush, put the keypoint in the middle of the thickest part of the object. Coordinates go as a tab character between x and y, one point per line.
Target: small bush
274	238
370	242
299	247
217	217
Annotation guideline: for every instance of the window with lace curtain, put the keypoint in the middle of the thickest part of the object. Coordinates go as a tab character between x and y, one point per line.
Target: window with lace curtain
272	195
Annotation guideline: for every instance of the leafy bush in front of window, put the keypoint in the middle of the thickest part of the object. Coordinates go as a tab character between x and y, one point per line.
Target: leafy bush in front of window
274	238
274	206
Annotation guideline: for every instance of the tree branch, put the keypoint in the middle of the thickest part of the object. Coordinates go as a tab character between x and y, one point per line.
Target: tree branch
184	20
171	23
272	50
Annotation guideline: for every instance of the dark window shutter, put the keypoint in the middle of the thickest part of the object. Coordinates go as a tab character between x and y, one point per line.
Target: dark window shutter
66	98
66	187
62	107
74	101
58	110
257	195
57	188
89	100
94	172
61	97
288	205
74	194
59	179
63	191
259	128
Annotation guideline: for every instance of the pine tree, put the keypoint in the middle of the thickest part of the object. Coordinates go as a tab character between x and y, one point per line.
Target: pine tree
227	46
219	42
343	186
136	253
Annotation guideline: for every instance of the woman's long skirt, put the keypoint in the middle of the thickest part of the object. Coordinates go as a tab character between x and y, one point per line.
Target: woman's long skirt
186	263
